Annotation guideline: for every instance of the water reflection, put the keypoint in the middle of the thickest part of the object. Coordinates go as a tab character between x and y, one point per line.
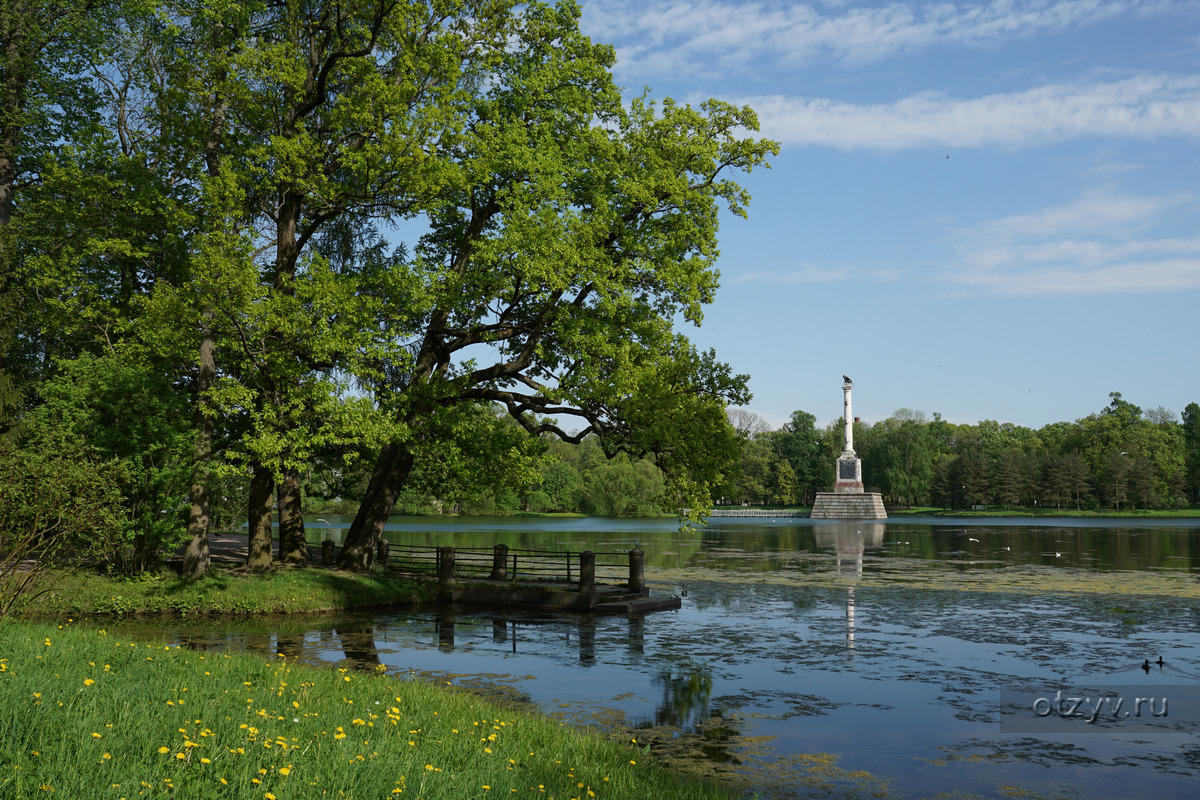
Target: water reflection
766	545
840	649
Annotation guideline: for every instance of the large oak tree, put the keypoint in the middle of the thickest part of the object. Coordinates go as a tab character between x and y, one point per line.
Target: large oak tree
574	232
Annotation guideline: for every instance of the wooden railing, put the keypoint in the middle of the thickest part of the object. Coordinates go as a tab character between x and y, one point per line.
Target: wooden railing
502	563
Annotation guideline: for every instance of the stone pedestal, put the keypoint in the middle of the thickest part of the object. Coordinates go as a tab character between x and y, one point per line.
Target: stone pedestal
849	475
863	505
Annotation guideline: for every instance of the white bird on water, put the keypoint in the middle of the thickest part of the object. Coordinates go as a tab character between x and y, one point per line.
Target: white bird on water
969	539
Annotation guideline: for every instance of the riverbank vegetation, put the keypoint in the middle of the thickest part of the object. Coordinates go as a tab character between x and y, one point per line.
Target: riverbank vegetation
88	714
1120	459
61	592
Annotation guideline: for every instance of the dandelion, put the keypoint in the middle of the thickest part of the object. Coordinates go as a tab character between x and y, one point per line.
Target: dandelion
164	749
285	771
88	681
95	735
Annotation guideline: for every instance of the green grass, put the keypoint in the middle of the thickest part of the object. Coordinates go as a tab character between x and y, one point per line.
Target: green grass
285	590
88	714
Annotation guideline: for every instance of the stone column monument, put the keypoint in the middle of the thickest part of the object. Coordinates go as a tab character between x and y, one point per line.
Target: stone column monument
849	466
848	500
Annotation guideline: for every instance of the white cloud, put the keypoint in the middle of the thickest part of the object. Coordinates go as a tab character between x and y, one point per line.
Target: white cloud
1145	106
809	273
1089	246
715	36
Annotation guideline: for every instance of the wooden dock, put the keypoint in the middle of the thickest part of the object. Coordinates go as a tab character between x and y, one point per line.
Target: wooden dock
552	580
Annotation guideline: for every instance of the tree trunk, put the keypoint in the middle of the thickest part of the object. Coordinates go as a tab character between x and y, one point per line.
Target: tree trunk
293	549
391	472
262	492
196	559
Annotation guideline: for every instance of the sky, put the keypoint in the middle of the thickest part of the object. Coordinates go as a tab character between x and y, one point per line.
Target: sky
984	210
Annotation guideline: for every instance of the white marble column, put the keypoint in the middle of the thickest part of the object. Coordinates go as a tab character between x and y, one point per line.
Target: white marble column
849	417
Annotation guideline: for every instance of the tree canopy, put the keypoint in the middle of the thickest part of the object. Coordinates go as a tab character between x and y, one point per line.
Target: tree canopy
341	231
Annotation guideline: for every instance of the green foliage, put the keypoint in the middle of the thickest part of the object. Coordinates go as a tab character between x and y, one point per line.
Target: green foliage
55	505
210	236
122	410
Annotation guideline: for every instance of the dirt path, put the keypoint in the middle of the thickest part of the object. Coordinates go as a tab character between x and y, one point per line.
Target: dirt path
234	548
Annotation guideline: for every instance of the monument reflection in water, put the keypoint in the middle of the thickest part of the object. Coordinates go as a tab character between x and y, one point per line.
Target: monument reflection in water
849	540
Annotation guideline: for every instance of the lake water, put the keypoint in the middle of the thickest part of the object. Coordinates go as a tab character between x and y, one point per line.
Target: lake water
905	658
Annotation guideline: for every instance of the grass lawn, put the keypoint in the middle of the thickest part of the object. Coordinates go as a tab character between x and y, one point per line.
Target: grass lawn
286	590
85	714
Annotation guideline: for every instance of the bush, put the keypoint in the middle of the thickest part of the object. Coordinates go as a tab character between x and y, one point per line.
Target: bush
55	508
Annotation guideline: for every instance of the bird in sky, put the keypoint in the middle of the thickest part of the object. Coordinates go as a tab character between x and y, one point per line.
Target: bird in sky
846	378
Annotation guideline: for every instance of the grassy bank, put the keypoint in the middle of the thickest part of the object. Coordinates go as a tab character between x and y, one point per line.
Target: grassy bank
84	714
224	592
1183	513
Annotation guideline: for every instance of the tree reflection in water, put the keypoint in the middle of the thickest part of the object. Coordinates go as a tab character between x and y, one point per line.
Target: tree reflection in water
358	643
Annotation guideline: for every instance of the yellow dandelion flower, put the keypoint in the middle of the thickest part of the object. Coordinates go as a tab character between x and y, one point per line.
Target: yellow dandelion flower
95	735
429	767
88	681
285	771
164	749
205	761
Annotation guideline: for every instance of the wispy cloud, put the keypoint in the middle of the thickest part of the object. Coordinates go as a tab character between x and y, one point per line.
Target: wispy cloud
809	273
1145	107
1097	244
715	36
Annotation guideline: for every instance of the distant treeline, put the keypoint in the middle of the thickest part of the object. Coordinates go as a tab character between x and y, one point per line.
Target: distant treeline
1120	458
561	478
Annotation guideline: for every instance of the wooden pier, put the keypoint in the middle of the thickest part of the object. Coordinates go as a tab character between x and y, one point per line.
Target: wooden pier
553	580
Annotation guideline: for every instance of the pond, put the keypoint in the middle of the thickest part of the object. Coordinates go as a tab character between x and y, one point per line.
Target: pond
904	658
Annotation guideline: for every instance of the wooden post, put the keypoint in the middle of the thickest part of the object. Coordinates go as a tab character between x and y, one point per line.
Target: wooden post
499	563
446	566
637	570
327	552
587	571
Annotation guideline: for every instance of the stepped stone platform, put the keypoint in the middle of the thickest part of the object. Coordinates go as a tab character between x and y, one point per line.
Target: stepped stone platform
836	505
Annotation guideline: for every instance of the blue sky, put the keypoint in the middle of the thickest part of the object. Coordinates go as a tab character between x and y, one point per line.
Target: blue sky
985	210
